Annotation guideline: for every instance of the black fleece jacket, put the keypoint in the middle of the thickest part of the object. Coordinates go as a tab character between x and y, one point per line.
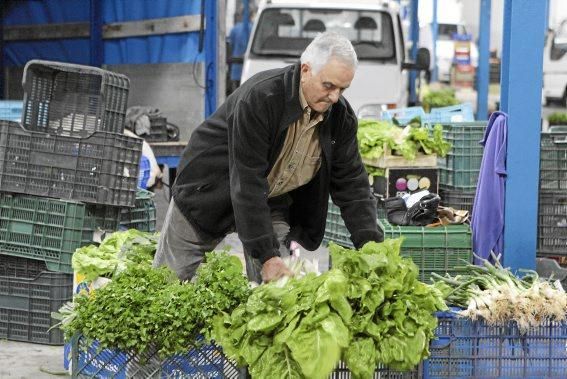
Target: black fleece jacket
222	176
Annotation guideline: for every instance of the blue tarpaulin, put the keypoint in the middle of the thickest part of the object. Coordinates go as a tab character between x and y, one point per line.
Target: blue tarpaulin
171	48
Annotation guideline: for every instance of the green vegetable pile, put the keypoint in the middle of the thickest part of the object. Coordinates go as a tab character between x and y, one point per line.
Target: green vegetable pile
557	118
145	307
115	252
369	309
374	136
438	99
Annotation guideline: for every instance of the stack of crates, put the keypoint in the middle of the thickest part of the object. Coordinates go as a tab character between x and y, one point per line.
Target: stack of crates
459	170
552	220
66	173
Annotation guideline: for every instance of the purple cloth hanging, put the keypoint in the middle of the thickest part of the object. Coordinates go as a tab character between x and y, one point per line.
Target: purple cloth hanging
488	215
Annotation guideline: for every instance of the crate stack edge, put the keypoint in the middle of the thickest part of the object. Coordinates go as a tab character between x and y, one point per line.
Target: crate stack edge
66	172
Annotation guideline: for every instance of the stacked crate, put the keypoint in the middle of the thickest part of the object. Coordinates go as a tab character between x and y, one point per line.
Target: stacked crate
459	170
552	220
66	173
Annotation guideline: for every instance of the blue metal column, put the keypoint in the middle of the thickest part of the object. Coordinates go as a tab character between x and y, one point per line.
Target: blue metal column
483	73
246	17
522	67
96	45
434	36
1	50
414	36
211	67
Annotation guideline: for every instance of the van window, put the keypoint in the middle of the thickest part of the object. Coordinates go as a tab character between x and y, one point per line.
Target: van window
287	32
446	31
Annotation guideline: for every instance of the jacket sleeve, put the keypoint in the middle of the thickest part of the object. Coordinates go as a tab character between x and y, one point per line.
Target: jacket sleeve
350	189
249	143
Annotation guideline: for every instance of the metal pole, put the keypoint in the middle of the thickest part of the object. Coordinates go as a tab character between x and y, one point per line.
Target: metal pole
96	44
414	36
521	83
434	34
211	66
483	73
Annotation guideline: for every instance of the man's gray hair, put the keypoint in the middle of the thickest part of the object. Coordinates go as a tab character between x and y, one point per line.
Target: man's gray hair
326	46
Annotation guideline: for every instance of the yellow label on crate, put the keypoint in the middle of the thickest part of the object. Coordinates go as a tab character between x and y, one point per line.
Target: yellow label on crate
80	284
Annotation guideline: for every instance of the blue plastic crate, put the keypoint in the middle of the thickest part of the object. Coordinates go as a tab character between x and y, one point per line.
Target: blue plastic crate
200	361
473	349
454	113
403	115
11	110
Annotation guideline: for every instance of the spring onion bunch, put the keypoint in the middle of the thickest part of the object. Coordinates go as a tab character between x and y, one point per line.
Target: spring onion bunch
493	293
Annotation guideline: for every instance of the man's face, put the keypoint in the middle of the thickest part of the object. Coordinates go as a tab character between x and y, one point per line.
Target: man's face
321	90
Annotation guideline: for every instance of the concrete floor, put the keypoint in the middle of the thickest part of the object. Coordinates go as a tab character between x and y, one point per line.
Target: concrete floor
29	361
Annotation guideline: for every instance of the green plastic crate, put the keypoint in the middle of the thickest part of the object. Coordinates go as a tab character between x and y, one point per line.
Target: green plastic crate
553	162
142	216
438	249
460	168
335	229
48	229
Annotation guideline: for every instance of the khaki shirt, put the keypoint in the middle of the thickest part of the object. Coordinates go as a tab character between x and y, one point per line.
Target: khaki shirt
300	158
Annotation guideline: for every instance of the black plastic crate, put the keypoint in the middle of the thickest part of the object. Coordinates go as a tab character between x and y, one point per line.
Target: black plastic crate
553	162
73	100
552	224
28	295
142	216
457	199
158	130
101	169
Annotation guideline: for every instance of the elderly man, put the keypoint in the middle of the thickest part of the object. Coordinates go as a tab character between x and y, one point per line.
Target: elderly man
264	164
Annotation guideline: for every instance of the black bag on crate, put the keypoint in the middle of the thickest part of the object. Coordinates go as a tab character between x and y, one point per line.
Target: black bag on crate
423	212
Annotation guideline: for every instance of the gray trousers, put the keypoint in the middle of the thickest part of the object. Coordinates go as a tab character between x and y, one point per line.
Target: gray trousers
182	249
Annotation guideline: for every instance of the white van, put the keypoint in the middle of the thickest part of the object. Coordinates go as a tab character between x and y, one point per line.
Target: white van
555	65
283	29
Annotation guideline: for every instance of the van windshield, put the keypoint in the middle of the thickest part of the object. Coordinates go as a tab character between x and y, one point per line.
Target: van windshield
287	32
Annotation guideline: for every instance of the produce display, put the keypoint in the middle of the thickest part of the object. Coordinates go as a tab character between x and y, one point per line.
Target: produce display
369	309
145	308
115	252
557	118
497	296
375	136
438	99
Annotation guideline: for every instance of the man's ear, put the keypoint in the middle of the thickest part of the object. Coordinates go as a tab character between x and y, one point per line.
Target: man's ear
305	68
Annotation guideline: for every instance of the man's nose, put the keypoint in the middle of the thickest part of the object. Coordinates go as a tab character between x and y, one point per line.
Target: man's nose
334	95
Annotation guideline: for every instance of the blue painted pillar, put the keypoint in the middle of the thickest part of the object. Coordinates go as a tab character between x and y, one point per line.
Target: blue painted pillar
96	44
521	83
1	50
434	36
246	17
211	66
546	14
483	73
414	36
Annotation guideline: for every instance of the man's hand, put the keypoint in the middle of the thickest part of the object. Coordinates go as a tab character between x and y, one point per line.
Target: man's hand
274	268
